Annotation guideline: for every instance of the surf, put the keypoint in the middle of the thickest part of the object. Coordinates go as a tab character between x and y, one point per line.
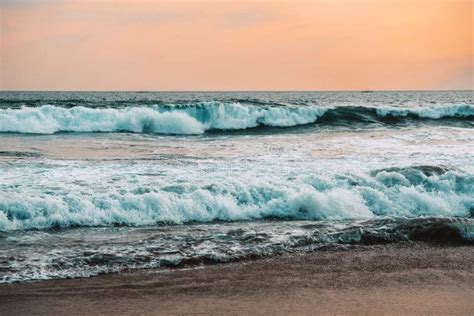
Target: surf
199	118
397	192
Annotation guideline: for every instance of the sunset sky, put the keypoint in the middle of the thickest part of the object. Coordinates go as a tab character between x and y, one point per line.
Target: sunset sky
236	45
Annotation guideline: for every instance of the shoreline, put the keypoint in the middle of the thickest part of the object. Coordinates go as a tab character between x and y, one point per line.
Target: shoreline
407	278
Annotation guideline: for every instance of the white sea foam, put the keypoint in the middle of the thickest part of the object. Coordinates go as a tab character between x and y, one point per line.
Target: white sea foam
51	119
247	195
430	112
191	119
127	201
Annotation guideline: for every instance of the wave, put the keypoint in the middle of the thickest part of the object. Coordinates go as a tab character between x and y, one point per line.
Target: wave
84	252
90	251
409	192
209	116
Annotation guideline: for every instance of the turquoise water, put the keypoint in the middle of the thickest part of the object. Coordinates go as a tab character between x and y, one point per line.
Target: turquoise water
95	182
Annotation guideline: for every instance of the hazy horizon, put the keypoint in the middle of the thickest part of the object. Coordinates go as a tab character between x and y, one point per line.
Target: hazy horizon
230	91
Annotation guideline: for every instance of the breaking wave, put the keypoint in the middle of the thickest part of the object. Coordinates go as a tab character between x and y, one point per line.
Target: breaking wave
202	117
408	192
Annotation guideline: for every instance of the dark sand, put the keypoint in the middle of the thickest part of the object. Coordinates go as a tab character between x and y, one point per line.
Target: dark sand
393	279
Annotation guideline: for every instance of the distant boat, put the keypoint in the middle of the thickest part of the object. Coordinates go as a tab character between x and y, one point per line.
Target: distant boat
367	91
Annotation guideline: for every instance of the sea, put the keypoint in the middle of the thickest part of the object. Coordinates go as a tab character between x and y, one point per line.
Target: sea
106	182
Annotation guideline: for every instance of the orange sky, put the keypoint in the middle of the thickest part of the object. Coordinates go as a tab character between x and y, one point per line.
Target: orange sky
236	45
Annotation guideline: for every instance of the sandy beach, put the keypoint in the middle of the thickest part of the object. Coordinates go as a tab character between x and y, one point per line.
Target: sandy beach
236	157
390	279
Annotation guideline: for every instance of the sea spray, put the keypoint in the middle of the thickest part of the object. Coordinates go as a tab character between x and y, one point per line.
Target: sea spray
201	117
343	197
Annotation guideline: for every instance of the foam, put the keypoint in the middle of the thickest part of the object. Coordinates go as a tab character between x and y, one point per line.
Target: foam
198	118
237	199
51	119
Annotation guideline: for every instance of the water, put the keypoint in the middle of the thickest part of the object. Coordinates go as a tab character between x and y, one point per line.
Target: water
94	182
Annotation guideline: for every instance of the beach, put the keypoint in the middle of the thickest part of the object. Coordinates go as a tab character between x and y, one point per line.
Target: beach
236	203
236	157
410	278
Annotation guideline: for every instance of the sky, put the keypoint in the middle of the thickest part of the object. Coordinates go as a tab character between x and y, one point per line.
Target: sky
236	45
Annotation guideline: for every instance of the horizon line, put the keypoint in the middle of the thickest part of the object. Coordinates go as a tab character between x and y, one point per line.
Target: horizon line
194	91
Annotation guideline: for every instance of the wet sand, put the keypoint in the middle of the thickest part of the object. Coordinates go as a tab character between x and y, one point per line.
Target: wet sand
389	279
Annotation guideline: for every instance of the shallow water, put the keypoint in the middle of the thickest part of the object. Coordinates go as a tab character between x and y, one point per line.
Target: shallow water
100	182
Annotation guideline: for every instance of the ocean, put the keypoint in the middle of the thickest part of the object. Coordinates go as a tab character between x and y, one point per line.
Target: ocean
104	182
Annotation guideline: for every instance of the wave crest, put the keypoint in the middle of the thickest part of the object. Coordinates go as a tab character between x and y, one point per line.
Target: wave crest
201	117
346	197
51	119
